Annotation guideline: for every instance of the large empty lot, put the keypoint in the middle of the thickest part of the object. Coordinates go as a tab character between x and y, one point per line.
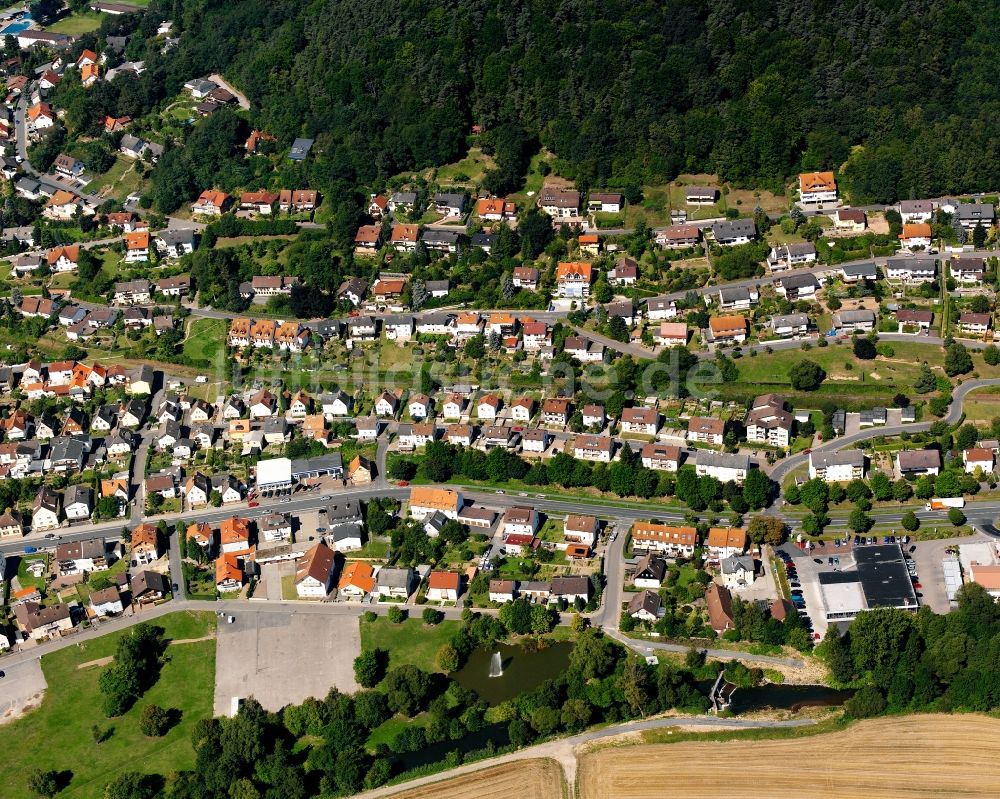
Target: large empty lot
910	757
281	658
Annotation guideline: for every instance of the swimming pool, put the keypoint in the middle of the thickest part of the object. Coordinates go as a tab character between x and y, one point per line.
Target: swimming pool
16	27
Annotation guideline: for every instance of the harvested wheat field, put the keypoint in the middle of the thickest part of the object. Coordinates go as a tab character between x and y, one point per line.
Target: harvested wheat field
912	756
524	779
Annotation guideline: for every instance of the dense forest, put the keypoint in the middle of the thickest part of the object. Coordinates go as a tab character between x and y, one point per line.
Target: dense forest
621	92
899	95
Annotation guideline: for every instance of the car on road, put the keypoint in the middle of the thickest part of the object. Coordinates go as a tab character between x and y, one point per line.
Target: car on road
913	549
818	560
500	491
403	483
175	588
917	585
252	504
286	499
30	550
50	535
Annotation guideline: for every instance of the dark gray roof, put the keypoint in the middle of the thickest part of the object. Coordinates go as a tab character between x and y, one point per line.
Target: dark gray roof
789	320
865	270
845	457
798	280
733	228
300	149
725	460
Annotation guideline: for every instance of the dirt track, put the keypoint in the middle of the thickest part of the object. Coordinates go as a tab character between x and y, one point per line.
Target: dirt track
525	779
909	757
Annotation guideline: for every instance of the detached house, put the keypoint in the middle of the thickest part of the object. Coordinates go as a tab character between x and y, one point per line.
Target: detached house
573	280
768	422
706	430
732	232
559	203
640	421
837	467
664	539
817	187
211	203
314	575
662	457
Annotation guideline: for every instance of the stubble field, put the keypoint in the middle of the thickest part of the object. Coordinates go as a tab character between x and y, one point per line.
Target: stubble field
524	779
896	758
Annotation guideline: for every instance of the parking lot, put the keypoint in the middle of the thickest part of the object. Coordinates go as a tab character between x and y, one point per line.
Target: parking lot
22	687
281	658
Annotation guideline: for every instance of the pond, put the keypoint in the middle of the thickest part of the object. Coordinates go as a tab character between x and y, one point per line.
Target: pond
782	697
522	670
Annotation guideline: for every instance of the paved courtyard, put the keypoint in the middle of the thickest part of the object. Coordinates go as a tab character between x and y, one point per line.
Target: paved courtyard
281	658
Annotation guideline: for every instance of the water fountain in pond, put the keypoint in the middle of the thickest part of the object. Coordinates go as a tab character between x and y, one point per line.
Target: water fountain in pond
496	665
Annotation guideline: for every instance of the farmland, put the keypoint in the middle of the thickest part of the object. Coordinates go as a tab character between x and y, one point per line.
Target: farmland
527	779
850	764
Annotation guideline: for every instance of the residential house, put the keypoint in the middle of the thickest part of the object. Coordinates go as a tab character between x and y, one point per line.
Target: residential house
593	416
700	195
211	203
817	187
495	209
916	236
525	277
63	259
661	457
106	602
604	202
798	286
728	329
78	502
677	237
353	290
788	256
443	586
298	200
425	501
650	572
149	586
918	462
664	539
145	544
555	412
706	430
968	270
581	529
535	440
731	232
640	421
314	573
45	510
723	466
394	583
660	308
593	448
501	591
175	243
573	279
975	324
972	214
357	581
583	349
851	220
911	270
768	422
915	210
837	467
560	203
520	521
177	286
39	622
404	237
973	458
625	273
789	325
133	292
861	320
725	542
736	298
737	571
645	606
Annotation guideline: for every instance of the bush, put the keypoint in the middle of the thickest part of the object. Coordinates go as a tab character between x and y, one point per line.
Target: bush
432	616
154	721
396	614
806	375
370	666
956	517
867	702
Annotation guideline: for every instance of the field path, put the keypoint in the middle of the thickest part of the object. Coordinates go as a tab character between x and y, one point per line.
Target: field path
906	757
561	752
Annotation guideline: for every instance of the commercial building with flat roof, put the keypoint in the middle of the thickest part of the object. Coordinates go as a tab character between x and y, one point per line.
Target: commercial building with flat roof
879	580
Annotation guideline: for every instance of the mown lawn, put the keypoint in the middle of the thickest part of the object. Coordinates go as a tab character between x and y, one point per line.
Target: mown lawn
58	734
206	339
411	642
982	405
846	376
77	23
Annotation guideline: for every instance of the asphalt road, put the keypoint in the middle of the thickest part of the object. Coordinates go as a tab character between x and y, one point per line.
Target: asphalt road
785	467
